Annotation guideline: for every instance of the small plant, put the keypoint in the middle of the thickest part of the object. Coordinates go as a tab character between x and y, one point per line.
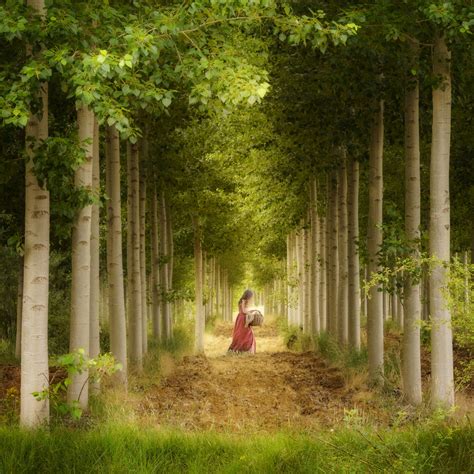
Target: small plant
352	418
75	363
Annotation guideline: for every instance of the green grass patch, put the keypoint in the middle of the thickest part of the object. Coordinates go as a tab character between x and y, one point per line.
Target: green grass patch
126	449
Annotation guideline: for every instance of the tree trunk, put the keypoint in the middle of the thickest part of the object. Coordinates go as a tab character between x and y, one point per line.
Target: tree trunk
170	265
300	259
116	293
323	287
199	321
353	251
306	280
81	262
315	257
442	381
94	329
143	279
34	328
411	363
375	313
164	273
332	257
133	272
155	269
342	326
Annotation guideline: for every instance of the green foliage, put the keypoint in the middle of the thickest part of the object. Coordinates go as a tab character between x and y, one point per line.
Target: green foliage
72	364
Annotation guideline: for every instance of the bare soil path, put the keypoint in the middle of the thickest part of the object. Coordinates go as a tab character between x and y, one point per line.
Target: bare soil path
273	389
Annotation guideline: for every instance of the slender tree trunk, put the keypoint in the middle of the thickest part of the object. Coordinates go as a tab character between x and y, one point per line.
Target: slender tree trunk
442	380
306	280
375	313
164	274
300	257
170	265
143	278
332	257
218	289
315	257
34	327
323	287
155	269
116	292
199	321
94	329
342	326
411	363
81	262
134	277
353	251
288	278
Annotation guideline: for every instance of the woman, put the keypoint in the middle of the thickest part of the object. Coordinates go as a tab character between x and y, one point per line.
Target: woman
243	339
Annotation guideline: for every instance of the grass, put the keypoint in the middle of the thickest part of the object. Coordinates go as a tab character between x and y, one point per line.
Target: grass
124	449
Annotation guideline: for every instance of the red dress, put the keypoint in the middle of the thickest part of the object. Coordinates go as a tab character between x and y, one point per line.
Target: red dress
243	339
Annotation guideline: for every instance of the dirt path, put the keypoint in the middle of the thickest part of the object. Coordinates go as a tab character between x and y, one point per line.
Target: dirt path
273	389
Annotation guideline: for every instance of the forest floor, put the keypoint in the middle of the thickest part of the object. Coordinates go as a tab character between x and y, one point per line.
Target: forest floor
275	389
272	390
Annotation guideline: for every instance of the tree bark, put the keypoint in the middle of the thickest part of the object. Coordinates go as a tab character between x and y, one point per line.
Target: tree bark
375	313
306	280
94	328
342	326
81	262
116	293
442	380
323	287
332	256
315	259
164	273
155	269
411	362
170	264
353	251
199	321
133	272
143	279
34	320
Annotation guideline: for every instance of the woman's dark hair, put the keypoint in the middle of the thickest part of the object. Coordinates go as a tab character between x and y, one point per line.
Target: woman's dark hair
246	295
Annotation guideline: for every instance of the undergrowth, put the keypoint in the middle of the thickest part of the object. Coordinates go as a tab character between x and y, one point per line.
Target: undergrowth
124	449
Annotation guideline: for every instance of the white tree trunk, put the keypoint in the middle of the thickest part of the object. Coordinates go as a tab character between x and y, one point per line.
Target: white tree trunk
442	380
134	276
143	277
116	306
94	328
199	321
164	273
342	296
81	262
315	258
375	315
170	265
323	287
34	321
353	255
411	363
155	270
333	274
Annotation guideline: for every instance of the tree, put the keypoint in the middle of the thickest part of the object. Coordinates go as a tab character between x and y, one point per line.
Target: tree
34	333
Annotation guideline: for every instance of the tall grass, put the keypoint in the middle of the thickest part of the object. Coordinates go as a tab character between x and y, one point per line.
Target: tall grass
126	449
